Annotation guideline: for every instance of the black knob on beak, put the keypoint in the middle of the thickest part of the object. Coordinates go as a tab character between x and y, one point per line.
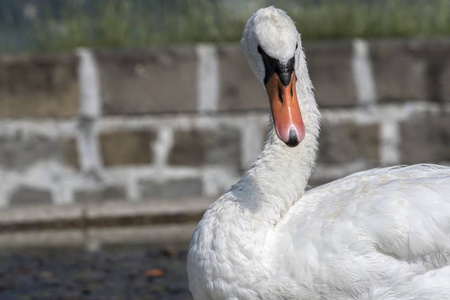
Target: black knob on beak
293	138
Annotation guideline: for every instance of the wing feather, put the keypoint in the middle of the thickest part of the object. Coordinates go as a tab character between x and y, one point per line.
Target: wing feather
384	228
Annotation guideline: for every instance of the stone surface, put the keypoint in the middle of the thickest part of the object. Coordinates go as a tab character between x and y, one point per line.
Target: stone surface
38	85
442	63
172	189
20	151
426	139
436	55
70	152
152	81
239	87
127	148
108	193
196	148
444	80
400	71
316	182
330	68
348	142
25	195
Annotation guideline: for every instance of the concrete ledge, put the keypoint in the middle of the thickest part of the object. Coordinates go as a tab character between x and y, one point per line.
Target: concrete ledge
151	208
39	214
94	238
154	222
47	238
158	234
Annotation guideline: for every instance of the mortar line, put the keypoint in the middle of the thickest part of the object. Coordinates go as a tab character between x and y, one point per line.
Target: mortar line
207	78
89	112
362	73
390	141
162	146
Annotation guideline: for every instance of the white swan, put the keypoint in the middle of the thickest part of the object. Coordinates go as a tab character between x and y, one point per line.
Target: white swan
378	234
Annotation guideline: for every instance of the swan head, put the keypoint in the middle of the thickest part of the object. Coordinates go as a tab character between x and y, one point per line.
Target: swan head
271	44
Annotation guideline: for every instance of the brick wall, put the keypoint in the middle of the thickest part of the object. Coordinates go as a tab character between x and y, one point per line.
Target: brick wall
183	122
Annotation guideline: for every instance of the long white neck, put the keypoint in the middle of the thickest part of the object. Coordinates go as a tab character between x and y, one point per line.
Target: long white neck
280	174
278	178
233	231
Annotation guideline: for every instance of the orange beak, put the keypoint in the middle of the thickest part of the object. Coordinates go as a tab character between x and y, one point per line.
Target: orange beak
285	109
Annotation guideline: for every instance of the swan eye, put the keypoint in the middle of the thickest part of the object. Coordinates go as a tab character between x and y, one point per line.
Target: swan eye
296	46
260	49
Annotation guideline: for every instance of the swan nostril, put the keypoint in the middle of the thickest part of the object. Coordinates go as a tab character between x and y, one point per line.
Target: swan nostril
293	138
280	95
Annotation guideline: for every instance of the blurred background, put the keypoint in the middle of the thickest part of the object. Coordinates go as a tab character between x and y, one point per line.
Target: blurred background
121	121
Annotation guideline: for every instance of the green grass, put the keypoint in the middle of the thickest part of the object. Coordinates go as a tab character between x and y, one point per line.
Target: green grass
142	23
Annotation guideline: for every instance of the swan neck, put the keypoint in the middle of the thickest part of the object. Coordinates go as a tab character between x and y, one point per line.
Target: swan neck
235	229
280	174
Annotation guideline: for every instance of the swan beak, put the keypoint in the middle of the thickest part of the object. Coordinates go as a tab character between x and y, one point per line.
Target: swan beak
285	109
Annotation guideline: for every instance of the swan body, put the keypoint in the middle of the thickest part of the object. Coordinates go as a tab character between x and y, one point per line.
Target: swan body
378	234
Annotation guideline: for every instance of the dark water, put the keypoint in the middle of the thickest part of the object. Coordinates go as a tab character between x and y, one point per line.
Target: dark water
139	272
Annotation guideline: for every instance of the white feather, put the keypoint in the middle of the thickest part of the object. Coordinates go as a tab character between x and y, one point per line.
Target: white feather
378	234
